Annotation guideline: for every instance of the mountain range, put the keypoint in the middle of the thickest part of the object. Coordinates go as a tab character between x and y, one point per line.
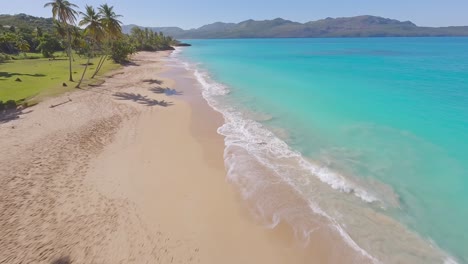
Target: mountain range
359	26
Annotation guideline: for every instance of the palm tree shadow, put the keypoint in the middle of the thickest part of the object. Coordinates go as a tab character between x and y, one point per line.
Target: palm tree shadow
153	81
10	115
144	100
166	91
11	74
130	63
62	260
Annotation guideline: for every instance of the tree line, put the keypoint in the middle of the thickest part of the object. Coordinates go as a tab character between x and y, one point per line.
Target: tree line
92	32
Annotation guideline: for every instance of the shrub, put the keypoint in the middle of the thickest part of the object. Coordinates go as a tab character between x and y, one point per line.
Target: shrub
4	57
48	45
121	50
2	106
10	105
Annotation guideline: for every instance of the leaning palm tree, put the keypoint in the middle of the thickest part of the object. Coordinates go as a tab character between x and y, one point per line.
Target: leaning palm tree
112	27
93	31
63	11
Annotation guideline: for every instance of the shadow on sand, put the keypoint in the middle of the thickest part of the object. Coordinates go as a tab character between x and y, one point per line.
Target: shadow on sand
130	63
62	260
10	115
166	91
153	81
144	100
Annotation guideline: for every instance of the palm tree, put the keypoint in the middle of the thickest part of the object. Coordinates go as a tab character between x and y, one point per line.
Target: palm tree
38	32
77	38
60	29
63	12
22	45
112	27
110	22
138	36
94	32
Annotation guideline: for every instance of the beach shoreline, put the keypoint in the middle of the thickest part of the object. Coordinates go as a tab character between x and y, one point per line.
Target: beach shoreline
132	172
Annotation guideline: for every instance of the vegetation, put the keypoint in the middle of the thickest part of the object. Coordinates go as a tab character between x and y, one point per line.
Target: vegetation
30	23
64	13
44	77
37	53
121	49
112	31
148	40
8	105
49	36
94	33
48	45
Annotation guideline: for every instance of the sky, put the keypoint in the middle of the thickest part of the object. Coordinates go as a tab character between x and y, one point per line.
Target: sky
195	13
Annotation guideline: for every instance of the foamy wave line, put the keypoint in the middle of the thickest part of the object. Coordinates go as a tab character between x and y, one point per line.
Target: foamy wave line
253	134
259	141
449	260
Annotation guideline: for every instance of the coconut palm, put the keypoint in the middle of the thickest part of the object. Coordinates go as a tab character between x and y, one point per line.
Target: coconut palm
92	22
22	45
94	32
77	38
110	21
38	32
138	36
60	29
112	27
63	11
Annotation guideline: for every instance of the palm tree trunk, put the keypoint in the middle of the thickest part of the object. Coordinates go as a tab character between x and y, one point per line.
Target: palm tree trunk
70	54
98	68
101	63
84	72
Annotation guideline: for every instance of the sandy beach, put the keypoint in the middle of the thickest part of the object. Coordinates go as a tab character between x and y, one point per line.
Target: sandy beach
132	171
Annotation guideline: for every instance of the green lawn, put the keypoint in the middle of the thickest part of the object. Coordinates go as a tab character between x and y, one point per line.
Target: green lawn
42	77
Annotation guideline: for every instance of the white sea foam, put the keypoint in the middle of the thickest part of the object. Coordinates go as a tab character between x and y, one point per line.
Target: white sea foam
258	140
449	260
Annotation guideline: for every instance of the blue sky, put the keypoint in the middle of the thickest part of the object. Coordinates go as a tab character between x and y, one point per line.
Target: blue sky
195	13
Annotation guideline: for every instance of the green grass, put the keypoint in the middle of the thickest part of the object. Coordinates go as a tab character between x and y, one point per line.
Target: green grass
42	77
29	55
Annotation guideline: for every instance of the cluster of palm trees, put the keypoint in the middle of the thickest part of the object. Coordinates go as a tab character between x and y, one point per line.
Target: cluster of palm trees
148	40
101	28
10	41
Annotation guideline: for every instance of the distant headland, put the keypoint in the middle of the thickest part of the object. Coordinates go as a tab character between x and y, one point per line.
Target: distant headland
359	26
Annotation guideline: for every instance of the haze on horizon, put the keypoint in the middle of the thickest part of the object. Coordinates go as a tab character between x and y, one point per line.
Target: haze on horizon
193	14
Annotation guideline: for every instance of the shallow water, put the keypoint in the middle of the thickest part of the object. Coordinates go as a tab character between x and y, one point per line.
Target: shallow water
372	133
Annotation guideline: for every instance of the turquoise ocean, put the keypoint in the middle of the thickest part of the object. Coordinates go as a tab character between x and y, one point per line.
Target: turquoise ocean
370	133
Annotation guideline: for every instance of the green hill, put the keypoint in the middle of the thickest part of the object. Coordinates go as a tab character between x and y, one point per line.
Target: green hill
23	21
359	26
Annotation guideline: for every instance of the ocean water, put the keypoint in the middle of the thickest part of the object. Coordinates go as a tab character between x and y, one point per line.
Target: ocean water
371	133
